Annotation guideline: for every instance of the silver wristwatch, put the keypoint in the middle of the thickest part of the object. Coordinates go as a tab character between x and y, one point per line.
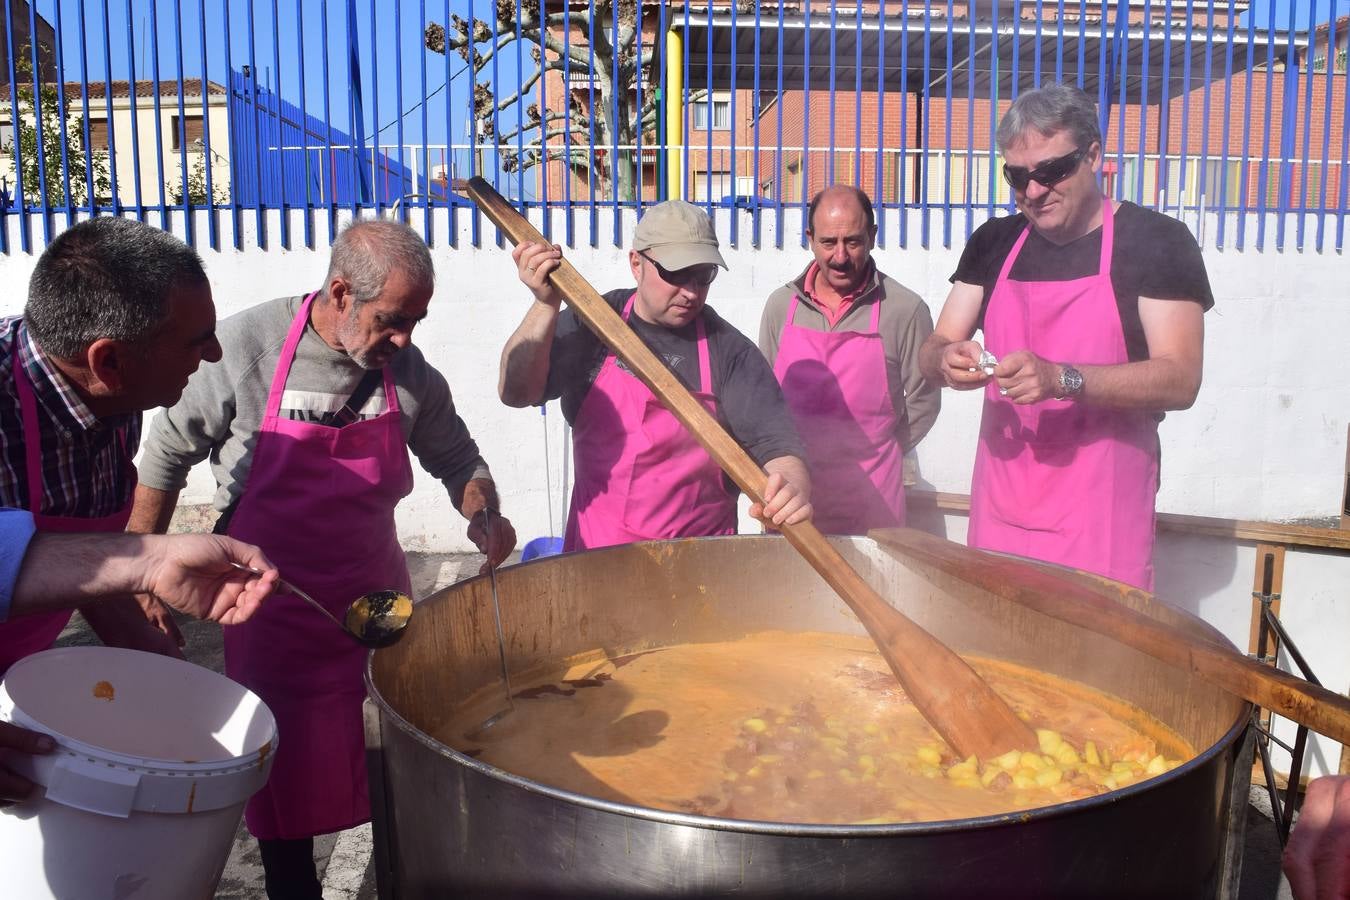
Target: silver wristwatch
1070	382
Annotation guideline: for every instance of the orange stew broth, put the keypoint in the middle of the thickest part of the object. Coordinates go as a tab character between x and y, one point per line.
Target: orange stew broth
800	727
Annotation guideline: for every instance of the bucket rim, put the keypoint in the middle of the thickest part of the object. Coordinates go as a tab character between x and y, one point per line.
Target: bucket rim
11	711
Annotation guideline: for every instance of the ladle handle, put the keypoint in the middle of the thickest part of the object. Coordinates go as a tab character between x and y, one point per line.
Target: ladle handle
297	592
497	617
963	709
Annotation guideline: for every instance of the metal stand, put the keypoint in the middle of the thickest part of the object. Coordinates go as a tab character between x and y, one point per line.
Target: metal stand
1271	638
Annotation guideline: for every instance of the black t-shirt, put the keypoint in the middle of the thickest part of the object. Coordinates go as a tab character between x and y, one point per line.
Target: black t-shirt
1155	256
750	403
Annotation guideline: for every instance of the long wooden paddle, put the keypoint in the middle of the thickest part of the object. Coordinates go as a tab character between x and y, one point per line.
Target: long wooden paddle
963	709
1084	602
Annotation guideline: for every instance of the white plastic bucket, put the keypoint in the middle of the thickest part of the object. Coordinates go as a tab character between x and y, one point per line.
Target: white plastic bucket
143	795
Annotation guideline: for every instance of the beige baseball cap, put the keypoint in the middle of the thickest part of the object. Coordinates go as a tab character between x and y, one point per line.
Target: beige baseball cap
677	235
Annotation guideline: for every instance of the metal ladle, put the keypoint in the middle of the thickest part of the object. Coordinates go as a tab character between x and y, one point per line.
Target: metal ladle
496	717
376	619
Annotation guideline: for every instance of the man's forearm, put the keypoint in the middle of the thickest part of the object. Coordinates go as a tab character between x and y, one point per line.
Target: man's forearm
111	616
152	510
1153	384
525	358
61	571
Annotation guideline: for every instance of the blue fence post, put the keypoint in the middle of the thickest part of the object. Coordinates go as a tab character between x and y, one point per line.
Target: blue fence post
161	186
189	226
131	99
1288	130
25	238
306	201
208	154
65	122
44	205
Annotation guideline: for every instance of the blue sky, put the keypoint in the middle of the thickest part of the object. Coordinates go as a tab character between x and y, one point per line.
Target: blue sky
1299	12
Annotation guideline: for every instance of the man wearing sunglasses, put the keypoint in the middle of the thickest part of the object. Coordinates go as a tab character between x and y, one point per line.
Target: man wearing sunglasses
1094	313
639	474
844	340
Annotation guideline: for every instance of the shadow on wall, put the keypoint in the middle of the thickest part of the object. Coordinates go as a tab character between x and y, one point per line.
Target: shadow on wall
1199	574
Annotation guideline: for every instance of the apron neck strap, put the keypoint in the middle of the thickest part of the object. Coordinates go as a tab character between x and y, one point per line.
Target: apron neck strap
704	357
1108	236
293	336
1012	254
32	441
32	430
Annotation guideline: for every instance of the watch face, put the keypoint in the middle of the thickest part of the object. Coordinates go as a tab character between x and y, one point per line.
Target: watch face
1071	381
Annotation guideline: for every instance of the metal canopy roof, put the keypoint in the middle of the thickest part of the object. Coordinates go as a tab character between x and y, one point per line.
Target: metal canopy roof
710	37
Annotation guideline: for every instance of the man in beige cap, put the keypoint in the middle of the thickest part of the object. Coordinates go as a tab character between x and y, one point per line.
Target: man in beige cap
639	474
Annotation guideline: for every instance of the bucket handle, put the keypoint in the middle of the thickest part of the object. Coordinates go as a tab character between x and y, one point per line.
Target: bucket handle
99	789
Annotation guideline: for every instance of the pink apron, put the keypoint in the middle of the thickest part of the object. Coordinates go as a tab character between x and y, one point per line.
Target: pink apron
1064	481
320	503
29	634
640	475
836	385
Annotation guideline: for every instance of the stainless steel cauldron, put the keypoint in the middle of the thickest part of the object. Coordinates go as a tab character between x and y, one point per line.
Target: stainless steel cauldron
447	825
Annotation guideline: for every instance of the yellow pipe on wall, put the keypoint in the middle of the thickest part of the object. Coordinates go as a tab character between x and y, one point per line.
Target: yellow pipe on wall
674	115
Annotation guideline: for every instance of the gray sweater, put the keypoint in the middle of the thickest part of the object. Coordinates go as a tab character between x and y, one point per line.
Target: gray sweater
221	410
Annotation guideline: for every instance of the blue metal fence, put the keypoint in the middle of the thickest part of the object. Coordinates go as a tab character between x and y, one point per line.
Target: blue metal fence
159	107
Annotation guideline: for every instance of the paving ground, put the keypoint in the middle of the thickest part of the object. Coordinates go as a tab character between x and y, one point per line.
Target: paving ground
344	860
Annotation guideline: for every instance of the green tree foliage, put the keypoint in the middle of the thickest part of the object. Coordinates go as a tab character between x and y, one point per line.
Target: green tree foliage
39	113
196	187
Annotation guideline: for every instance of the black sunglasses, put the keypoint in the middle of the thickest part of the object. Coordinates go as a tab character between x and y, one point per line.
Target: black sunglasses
1047	174
696	276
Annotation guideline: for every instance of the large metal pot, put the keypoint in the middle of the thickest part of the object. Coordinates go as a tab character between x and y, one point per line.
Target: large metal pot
448	825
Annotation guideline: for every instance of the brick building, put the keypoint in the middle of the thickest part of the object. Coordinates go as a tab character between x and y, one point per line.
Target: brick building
1214	108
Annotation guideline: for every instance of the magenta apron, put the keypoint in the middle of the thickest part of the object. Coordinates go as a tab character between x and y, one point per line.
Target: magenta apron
641	476
29	634
320	503
836	385
1060	480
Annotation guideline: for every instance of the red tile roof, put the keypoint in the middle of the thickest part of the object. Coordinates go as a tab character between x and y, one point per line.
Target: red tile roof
192	87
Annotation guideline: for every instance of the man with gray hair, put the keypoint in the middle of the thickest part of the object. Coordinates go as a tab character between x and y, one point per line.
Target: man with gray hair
119	314
1093	320
307	426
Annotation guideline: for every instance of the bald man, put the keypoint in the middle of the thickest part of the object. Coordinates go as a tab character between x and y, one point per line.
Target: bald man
843	339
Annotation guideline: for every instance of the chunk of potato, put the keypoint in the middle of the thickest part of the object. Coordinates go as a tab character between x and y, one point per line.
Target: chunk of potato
1032	761
1048	777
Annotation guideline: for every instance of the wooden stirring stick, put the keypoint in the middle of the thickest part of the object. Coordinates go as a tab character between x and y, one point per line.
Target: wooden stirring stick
959	705
1078	601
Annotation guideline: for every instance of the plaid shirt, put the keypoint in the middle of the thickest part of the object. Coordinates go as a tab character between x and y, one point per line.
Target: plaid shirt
83	461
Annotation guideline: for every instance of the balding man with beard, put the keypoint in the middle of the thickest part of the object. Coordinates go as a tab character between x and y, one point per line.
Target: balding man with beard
843	339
